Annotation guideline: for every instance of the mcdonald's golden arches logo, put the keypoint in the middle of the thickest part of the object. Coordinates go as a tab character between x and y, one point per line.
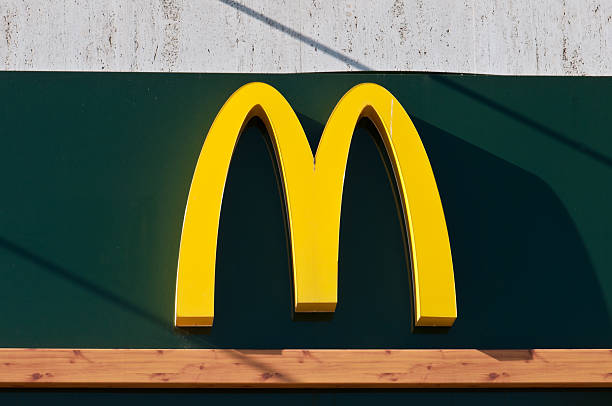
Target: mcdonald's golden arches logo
313	194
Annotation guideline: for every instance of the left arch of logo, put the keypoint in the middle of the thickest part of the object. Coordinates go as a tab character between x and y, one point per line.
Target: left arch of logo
313	195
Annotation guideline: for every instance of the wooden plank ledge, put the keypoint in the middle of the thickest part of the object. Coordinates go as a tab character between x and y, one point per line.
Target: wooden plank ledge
294	368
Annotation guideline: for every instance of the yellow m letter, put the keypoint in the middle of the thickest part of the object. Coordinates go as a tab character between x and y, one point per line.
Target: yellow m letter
313	194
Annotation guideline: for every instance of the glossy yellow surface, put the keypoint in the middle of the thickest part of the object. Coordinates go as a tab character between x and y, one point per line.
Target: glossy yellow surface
313	194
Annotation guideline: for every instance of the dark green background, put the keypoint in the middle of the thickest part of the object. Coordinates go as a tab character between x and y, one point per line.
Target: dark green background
95	169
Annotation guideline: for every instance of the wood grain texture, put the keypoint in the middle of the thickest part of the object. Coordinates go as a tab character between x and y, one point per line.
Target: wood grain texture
215	368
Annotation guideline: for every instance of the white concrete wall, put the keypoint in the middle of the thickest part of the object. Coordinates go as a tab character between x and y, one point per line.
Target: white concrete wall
515	37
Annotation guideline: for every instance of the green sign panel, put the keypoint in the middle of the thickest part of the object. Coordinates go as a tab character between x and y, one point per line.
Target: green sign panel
96	170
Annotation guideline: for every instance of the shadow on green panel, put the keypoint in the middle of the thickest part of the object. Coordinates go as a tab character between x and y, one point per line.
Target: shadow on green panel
522	274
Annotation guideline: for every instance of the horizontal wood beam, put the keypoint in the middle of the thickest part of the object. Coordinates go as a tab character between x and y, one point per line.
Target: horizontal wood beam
227	368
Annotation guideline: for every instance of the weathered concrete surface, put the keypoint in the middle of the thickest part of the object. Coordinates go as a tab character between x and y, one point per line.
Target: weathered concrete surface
501	37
